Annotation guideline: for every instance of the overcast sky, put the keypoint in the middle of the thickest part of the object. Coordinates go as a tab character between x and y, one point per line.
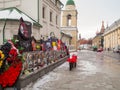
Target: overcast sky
91	13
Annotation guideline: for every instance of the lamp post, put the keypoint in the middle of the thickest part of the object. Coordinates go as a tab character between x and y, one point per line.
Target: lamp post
4	30
109	43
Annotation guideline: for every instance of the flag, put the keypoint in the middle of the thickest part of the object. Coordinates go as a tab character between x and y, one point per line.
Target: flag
24	35
23	30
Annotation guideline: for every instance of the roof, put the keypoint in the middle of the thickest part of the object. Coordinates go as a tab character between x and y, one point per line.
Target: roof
70	2
15	14
102	27
66	34
112	27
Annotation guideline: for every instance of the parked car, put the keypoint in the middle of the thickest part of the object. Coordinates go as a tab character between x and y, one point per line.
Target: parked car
100	50
116	49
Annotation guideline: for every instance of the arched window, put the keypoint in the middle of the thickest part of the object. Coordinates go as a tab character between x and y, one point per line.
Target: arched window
69	20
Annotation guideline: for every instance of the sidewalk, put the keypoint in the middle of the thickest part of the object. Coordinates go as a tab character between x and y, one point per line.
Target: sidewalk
112	54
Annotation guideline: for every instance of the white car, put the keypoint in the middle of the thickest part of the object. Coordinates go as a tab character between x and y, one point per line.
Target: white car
116	49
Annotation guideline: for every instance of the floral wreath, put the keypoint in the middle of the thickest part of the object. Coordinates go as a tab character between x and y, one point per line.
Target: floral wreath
1	58
10	64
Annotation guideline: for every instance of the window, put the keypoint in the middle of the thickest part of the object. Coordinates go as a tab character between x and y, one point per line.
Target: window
50	16
43	12
56	20
69	20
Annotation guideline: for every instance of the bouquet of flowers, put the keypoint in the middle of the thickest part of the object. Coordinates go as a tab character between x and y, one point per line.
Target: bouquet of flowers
1	58
10	64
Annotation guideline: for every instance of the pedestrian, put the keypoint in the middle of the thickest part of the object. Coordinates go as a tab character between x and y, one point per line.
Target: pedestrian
74	57
66	50
72	61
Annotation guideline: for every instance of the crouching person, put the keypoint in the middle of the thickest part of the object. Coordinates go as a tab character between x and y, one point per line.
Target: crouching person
74	58
72	62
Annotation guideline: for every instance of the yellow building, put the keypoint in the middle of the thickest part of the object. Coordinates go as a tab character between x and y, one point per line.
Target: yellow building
112	35
96	42
69	24
98	39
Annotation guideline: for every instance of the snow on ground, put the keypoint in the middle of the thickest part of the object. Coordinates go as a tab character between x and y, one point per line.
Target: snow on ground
52	76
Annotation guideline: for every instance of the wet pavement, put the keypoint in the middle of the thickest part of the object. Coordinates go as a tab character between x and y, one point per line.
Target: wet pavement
94	71
112	54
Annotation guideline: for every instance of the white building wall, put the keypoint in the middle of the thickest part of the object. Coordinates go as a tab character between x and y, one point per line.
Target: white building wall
30	7
48	26
112	35
9	3
27	6
1	32
32	10
10	30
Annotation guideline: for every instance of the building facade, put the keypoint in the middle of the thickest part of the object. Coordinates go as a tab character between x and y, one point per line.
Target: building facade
45	12
112	36
69	23
66	38
50	17
98	40
10	21
10	3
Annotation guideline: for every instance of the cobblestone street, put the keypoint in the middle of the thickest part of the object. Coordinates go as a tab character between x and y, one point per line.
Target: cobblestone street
94	71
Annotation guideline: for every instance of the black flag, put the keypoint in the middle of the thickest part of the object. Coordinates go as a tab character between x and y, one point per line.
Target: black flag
24	35
23	30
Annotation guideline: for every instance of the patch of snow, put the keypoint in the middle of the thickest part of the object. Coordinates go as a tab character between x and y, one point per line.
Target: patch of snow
14	14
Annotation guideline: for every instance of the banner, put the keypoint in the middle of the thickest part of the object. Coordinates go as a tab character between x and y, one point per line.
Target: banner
24	29
24	35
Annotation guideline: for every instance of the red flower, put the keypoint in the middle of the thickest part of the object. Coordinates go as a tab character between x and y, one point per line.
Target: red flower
9	77
12	55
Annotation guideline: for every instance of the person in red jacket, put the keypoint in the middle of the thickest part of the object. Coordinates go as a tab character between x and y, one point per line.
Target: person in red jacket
72	61
74	57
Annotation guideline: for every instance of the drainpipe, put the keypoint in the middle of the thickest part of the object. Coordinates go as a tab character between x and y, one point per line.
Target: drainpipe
4	30
62	35
38	10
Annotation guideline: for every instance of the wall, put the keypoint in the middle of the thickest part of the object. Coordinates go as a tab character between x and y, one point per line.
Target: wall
112	35
48	26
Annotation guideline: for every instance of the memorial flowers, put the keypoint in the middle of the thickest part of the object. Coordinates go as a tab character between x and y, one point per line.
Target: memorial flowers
1	58
9	77
10	64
